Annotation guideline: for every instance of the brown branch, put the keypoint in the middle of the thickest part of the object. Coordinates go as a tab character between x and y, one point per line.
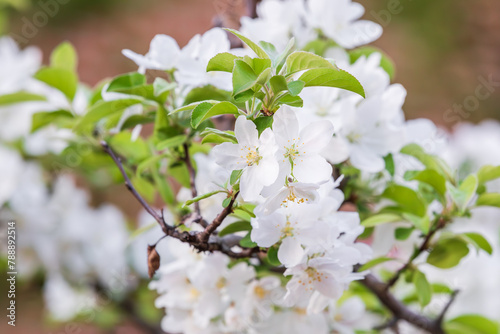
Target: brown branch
202	241
205	235
400	310
192	183
252	8
423	247
447	307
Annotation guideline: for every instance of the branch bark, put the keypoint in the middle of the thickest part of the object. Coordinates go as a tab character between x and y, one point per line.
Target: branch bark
202	241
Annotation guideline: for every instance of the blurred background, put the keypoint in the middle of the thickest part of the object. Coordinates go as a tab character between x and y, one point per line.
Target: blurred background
447	55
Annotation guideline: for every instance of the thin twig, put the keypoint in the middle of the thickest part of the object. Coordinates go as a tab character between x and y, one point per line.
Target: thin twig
423	247
447	306
202	241
192	180
398	309
212	227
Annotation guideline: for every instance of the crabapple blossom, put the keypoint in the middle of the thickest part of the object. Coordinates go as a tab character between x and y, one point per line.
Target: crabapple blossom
254	155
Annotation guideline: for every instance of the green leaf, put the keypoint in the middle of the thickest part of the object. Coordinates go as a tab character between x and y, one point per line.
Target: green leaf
464	193
247	242
171	142
104	109
488	173
424	290
164	188
135	151
146	189
375	262
61	79
301	60
238	226
447	253
64	57
479	242
432	178
161	89
330	77
244	77
380	219
293	101
389	164
201	197
422	223
216	136
403	233
206	110
127	81
278	84
272	256
471	324
263	122
205	93
428	160
20	97
42	119
148	163
235	176
386	63
406	198
223	62
295	87
257	49
489	199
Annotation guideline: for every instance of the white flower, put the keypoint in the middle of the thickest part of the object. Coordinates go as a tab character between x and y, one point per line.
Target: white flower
163	54
347	316
370	131
293	192
11	169
299	151
254	155
294	228
194	58
338	19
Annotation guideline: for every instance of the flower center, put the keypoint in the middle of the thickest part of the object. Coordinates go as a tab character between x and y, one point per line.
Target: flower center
354	137
251	155
260	292
287	231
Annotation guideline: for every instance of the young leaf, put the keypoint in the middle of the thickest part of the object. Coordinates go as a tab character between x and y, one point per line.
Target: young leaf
278	84
302	60
403	233
64	57
447	253
247	242
428	160
206	110
61	79
171	142
489	199
223	62
20	97
422	223
464	193
104	109
244	77
432	178
379	219
407	199
238	226
201	197
488	173
471	324
257	49
389	164
374	262
41	119
424	290
272	256
216	136
295	87
330	77
479	242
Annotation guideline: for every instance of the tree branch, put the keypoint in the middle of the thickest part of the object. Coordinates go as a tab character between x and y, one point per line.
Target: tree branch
192	179
400	310
202	241
423	247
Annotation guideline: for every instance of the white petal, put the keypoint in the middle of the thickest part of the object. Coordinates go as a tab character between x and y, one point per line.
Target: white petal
366	160
337	150
285	125
250	185
312	169
246	132
359	33
316	136
290	252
